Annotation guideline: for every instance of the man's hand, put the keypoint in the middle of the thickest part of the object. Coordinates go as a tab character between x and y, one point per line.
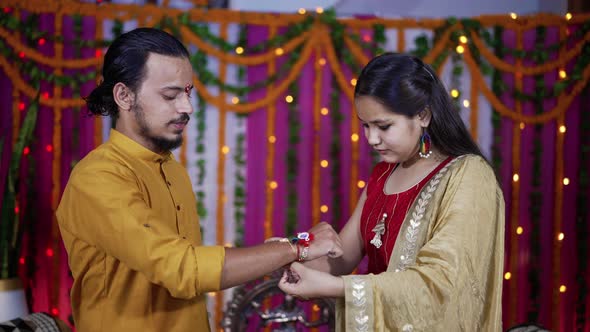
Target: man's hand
326	242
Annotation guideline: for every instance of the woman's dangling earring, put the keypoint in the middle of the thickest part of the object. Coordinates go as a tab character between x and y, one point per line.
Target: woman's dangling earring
425	142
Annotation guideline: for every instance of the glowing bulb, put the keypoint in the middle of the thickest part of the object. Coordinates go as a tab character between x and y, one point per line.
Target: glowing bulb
353	82
354	137
324	163
239	50
568	16
361	184
460	49
235	100
273	185
463	39
513	16
301	11
515	177
562	74
225	149
521	126
562	129
519	230
507	275
272	139
279	51
324	208
289	99
566	181
560	237
562	289
322	61
324	111
319	10
466	103
454	93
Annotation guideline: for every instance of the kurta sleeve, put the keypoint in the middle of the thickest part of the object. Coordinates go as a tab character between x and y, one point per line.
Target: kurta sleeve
105	208
459	260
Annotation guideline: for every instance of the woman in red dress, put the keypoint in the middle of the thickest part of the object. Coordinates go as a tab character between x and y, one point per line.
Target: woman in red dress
431	220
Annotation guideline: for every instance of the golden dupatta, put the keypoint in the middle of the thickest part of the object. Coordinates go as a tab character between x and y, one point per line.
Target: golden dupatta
445	271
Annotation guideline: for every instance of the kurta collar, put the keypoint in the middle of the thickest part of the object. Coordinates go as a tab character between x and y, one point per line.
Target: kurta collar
135	149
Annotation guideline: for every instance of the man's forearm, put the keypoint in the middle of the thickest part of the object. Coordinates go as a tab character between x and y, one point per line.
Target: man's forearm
245	264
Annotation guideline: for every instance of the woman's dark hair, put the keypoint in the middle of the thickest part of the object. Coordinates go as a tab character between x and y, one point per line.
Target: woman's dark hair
125	62
405	85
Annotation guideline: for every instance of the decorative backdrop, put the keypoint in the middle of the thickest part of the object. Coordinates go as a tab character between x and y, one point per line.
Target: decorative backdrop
274	145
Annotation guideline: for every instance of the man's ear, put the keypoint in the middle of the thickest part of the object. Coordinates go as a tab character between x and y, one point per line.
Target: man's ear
124	97
425	116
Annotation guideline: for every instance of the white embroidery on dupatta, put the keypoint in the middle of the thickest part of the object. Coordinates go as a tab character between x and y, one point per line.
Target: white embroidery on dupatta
408	328
359	300
409	250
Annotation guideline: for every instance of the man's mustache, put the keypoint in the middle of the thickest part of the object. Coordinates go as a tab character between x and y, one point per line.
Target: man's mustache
184	118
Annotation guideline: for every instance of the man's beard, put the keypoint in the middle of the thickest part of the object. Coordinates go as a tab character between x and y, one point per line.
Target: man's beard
161	144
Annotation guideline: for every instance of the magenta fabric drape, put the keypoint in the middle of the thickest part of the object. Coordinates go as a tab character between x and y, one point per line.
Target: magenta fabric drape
44	266
531	298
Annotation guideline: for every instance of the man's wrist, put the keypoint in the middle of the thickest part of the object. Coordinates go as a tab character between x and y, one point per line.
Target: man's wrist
294	249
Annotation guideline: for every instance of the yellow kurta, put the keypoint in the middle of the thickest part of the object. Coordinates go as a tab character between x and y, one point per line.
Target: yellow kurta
445	272
129	223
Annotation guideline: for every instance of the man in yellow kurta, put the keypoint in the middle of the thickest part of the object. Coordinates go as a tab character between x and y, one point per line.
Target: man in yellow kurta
128	214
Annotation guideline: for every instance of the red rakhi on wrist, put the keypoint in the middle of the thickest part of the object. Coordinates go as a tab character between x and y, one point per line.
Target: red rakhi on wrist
305	238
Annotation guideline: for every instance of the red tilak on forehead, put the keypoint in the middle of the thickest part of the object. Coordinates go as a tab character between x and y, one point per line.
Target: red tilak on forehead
187	88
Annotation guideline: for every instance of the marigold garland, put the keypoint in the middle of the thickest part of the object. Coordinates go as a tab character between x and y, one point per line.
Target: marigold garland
558	205
221	197
123	12
513	222
507	112
257	59
271	97
316	197
499	64
36	56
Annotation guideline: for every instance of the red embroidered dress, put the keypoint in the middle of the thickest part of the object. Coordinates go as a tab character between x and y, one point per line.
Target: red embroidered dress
395	206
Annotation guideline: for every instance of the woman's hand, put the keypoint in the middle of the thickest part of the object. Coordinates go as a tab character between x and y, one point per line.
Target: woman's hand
305	283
